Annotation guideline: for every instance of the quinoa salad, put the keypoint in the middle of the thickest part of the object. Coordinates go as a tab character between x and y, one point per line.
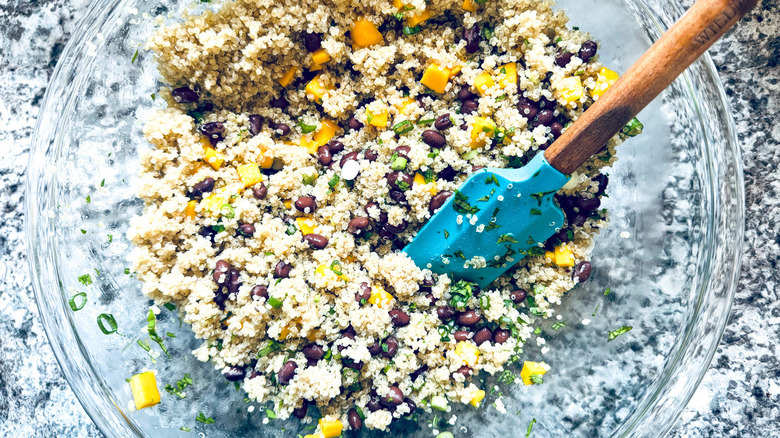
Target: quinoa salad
303	145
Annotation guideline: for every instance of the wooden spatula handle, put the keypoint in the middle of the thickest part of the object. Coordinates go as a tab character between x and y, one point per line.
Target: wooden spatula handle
679	47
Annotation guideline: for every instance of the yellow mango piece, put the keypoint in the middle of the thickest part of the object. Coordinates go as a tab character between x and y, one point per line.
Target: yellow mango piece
284	333
469	5
549	255
330	428
315	67
477	399
309	144
324	268
326	133
306	225
265	162
404	108
316	89
467	353
479	126
314	435
380	297
604	80
144	389
212	157
571	89
378	119
364	33
455	70
313	336
564	256
415	20
483	82
436	77
215	202
530	368
320	56
420	180
287	204
288	77
508	74
398	4
189	211
249	174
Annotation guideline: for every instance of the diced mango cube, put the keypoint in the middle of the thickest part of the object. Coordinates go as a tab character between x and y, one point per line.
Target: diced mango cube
482	129
415	20
420	180
288	76
364	33
477	399
214	204
315	67
330	428
265	161
314	435
144	389
469	5
570	89
508	74
604	80
326	133
212	157
404	106
189	211
378	119
483	82
398	4
309	144
530	368
306	225
316	89
323	269
380	297
320	56
287	204
564	256
436	77
249	174
284	333
467	353
455	70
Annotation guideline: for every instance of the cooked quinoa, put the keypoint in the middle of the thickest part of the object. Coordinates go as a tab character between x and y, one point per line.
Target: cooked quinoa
303	145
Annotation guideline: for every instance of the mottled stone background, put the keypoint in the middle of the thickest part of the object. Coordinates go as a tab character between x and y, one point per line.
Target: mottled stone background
740	395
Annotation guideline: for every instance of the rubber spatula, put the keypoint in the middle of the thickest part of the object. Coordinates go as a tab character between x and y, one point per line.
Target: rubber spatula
499	216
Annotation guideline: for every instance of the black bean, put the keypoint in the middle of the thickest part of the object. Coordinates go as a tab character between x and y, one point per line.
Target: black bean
354	124
448	173
375	348
357	225
354	420
394	397
445	313
418	372
482	335
562	58
316	241
246	230
475	290
335	146
324	156
213	130
282	269
438	200
350	363
202	187
313	352
281	129
234	281
255	124
545	103
389	347
385	235
461	335
578	220
219	298
398	196
588	50
464	371
602	180
412	406
235	373
562	235
400	180
312	41
347	157
259	291
287	372
544	117
518	296
221	273
545	145
396	229
527	108
501	336
370	155
300	413
588	204
349	332
279	102
465	94
403	151
364	293
306	204
567	204
399	318
581	272
259	191
556	129
208	233
184	95
433	139
469	106
469	318
443	122
374	403
471	36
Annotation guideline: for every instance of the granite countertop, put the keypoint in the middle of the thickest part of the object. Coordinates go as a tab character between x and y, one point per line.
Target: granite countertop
739	396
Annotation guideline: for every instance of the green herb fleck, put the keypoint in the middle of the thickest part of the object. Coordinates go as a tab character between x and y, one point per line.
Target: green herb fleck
446	234
507	377
275	302
151	327
187	429
461	204
306	129
614	334
426	122
270	413
530	427
607	291
597	309
309	180
203	419
506	238
89	200
501	97
559	325
85	279
135	56
412	30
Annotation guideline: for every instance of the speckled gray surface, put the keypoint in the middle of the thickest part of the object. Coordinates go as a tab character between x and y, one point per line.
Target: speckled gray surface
740	395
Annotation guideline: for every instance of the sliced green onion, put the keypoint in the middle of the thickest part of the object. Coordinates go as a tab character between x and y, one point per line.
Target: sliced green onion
470	154
306	128
439	403
275	302
411	30
399	163
265	351
484	302
170	306
227	210
426	121
107	318
335	266
633	128
74	306
403	127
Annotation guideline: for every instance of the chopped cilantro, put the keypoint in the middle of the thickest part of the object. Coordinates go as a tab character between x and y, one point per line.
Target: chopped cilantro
506	238
85	279
501	97
461	204
536	212
103	183
606	292
306	128
270	413
411	30
89	200
614	334
203	419
492	180
426	122
135	56
559	325
446	234
308	180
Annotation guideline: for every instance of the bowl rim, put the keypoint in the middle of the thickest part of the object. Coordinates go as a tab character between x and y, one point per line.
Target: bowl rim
90	390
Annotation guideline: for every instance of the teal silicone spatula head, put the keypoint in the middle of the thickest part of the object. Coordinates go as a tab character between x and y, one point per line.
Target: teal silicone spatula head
497	217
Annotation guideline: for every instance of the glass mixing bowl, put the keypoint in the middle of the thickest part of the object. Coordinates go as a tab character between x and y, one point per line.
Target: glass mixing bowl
670	257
